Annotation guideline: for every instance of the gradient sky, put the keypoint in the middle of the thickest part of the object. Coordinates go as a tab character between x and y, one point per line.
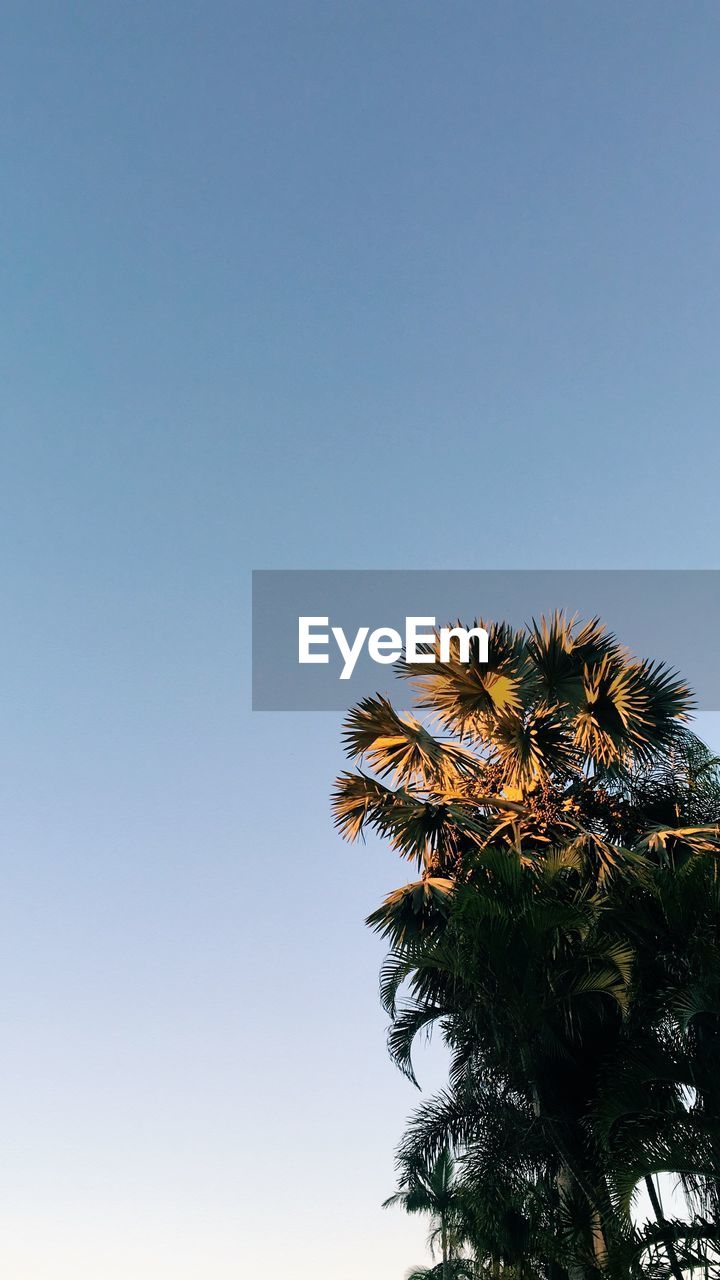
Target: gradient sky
313	283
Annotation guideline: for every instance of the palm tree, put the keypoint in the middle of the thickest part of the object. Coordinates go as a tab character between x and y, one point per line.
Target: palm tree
458	1269
428	1187
558	789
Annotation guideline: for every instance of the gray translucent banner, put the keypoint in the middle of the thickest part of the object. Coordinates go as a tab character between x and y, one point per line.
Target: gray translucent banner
667	614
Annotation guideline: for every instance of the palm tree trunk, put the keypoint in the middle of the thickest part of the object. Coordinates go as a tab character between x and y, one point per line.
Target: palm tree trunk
599	1241
666	1237
564	1181
445	1267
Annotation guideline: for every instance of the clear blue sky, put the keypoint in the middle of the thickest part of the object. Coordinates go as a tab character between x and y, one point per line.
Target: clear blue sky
411	283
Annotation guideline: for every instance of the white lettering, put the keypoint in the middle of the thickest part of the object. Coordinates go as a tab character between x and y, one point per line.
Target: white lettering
350	654
385	645
463	638
414	637
305	639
